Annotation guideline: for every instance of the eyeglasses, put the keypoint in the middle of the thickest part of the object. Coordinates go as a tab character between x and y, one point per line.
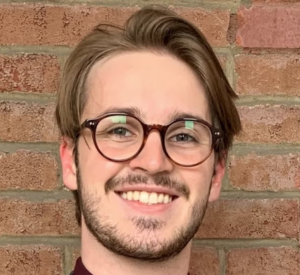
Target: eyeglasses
121	137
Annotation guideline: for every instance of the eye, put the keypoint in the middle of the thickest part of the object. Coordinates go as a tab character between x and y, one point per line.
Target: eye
182	138
120	131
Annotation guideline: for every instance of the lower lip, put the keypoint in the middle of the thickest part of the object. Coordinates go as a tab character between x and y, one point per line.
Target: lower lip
148	208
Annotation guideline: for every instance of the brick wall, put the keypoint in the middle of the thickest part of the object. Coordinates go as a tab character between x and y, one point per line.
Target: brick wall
254	227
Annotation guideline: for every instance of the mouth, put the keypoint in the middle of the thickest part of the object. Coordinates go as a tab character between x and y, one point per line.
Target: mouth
147	198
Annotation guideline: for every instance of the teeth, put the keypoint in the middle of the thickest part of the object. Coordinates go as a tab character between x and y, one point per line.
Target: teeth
136	195
129	195
146	198
166	199
160	198
153	198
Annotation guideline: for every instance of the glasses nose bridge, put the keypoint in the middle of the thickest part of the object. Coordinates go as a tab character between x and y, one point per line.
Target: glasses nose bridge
158	127
161	129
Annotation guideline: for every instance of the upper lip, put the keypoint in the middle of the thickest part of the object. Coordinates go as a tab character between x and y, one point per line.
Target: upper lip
148	188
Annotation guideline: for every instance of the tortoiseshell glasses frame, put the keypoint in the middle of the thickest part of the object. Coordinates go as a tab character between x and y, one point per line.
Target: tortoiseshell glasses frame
92	124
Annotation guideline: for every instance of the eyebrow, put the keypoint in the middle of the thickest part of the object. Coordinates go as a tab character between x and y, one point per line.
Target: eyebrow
127	110
178	114
134	111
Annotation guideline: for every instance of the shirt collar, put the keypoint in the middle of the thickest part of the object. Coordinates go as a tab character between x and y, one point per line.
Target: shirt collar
80	269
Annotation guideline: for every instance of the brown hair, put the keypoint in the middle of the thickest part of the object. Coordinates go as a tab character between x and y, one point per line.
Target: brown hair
155	29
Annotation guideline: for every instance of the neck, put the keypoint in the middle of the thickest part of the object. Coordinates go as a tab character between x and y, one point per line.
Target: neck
101	261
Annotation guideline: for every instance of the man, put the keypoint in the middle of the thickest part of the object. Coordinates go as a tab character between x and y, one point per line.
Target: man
147	118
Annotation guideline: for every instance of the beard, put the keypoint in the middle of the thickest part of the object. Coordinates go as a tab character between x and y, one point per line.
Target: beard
150	248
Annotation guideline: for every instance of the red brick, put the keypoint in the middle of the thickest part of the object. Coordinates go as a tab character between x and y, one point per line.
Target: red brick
261	173
214	24
266	261
32	122
31	259
204	260
30	170
274	124
269	27
268	74
37	73
251	219
19	217
37	24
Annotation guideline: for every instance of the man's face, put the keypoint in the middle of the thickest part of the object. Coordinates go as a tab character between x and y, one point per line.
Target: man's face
157	86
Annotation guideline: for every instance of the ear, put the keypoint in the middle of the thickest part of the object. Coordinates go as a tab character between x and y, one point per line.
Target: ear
68	164
217	178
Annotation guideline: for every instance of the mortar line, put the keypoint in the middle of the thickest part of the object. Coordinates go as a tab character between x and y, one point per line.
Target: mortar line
37	240
28	97
259	195
37	196
228	244
212	5
222	261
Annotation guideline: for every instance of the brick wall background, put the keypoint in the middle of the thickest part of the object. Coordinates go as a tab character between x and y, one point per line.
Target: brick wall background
252	230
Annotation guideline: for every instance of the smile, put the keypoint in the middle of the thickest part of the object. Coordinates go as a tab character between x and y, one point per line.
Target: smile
148	198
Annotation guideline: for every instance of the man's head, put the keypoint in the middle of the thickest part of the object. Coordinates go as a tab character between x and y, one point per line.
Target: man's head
143	190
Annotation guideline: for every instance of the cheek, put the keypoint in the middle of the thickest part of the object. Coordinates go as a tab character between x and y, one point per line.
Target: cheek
95	170
198	180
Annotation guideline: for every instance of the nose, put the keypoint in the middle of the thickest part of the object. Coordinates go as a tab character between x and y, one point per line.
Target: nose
152	159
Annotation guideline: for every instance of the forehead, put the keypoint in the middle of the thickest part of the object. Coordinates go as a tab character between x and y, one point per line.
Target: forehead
156	84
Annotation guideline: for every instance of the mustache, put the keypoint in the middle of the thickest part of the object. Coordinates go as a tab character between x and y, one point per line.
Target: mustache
158	180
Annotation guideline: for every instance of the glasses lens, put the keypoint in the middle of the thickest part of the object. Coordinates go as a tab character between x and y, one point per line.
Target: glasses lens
119	137
188	142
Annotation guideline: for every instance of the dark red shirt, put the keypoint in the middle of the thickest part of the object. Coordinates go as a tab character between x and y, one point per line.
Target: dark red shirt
80	269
